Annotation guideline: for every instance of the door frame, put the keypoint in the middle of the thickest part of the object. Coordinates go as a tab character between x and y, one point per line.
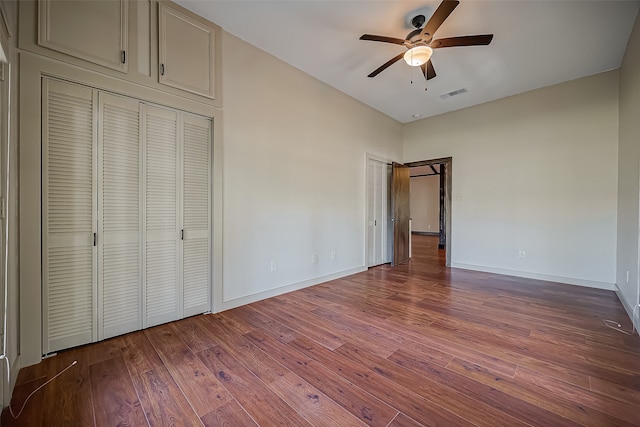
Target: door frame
448	164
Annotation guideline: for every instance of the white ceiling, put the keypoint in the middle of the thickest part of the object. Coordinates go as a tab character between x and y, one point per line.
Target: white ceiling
536	43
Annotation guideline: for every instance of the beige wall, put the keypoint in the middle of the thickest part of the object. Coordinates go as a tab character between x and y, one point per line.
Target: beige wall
294	174
533	172
294	154
629	174
425	203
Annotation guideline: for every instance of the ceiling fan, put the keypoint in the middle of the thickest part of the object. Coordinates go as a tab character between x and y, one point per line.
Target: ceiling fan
420	43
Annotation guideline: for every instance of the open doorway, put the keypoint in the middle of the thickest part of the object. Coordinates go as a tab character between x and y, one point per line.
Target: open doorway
381	222
430	195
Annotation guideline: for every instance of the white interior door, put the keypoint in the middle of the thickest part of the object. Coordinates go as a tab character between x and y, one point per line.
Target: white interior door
196	185
377	212
371	214
119	217
162	276
69	141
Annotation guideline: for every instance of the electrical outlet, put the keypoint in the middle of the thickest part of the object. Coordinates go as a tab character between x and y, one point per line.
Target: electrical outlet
314	259
333	254
522	254
274	265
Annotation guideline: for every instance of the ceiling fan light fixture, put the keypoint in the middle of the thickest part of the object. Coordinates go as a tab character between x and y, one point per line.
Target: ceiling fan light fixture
418	55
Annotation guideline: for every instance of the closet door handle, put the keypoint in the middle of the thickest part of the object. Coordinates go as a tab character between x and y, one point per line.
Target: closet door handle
182	234
162	69
95	239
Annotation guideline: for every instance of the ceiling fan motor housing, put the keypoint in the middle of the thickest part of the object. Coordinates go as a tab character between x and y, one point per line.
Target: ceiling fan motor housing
418	21
416	18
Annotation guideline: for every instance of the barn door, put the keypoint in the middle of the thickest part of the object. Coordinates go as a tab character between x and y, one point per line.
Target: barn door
400	210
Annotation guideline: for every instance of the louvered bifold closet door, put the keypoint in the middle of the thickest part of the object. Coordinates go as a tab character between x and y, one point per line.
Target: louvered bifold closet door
196	215
162	283
119	217
69	140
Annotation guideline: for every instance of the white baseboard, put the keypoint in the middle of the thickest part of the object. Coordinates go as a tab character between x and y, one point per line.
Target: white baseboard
537	276
237	302
635	317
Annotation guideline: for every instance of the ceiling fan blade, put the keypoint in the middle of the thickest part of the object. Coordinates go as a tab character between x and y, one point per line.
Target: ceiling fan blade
442	12
428	71
386	64
381	39
479	40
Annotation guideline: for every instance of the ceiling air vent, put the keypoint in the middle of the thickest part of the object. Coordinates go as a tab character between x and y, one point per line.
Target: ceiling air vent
454	93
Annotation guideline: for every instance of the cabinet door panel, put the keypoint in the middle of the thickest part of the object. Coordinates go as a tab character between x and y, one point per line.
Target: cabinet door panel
187	52
196	215
163	290
69	214
119	207
94	30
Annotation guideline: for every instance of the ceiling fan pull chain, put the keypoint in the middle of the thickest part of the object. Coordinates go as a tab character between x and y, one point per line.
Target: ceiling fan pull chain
411	69
411	51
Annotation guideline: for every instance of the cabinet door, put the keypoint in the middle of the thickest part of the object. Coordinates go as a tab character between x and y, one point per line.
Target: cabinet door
187	52
163	290
69	214
95	31
196	215
119	217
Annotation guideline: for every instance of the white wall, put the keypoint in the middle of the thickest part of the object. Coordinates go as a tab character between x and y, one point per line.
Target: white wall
424	200
294	174
629	173
534	172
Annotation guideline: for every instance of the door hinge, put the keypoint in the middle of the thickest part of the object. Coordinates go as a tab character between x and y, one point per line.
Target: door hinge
123	57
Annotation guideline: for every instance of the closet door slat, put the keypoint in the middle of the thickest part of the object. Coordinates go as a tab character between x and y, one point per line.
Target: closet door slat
163	296
69	214
196	215
119	207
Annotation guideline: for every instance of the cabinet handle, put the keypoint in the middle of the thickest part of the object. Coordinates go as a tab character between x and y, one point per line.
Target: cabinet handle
162	69
182	234
95	239
124	57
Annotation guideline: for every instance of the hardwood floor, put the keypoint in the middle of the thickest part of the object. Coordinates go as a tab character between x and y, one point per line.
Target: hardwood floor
419	344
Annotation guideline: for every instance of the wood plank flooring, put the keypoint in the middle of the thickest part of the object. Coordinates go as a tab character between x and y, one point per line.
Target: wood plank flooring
415	345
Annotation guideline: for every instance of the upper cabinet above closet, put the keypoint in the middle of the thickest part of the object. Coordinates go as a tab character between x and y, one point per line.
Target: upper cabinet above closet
96	31
154	43
187	51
